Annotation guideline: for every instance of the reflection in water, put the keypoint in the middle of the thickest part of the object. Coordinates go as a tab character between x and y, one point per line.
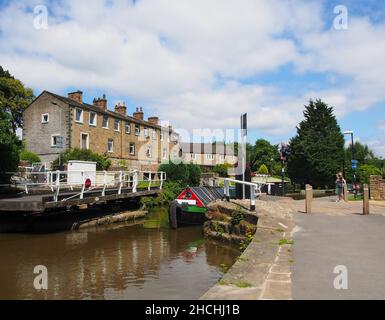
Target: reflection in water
142	261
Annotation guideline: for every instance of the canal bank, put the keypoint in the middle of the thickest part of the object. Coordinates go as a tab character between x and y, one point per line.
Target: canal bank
263	269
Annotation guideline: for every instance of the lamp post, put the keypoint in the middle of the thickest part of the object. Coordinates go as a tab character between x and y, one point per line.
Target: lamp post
354	164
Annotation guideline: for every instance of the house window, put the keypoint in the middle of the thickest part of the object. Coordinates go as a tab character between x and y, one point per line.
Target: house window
132	148
45	118
79	115
153	134
128	128
209	156
164	153
117	125
137	129
222	157
110	145
145	132
105	122
84	140
92	121
149	152
56	141
161	135
193	156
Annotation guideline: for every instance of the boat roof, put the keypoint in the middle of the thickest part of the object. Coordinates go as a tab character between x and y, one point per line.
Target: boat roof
208	194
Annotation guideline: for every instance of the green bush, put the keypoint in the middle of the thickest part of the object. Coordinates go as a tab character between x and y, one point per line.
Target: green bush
263	169
29	156
222	169
186	174
365	171
102	161
170	191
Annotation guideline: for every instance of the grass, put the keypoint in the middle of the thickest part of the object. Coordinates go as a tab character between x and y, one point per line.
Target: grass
358	198
144	184
242	284
285	241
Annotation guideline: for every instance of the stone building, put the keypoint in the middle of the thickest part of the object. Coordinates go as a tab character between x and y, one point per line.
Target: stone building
53	124
208	154
377	188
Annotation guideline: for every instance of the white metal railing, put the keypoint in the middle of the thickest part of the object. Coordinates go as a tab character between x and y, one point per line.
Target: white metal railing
255	188
87	181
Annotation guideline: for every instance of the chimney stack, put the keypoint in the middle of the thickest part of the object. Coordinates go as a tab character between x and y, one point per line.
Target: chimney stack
121	109
76	96
138	114
153	120
101	102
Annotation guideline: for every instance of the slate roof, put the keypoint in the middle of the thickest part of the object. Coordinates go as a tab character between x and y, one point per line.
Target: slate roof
208	194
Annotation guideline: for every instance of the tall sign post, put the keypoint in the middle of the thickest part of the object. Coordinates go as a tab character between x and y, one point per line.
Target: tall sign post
243	149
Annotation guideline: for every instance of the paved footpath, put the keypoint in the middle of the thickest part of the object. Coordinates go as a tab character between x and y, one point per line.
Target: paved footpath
335	234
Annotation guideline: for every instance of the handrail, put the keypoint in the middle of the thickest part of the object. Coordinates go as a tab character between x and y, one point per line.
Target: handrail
253	187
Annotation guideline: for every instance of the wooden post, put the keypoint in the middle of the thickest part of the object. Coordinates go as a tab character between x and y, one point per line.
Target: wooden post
345	192
309	198
366	209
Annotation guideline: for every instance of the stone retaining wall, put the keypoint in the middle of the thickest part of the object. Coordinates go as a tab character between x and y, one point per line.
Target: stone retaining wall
377	188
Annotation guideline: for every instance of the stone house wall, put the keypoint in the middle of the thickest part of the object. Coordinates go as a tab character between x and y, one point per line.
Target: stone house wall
377	188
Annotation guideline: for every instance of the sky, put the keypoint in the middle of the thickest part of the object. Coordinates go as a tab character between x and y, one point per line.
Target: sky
200	64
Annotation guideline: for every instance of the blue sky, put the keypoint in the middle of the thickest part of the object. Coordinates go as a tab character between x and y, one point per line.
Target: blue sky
200	65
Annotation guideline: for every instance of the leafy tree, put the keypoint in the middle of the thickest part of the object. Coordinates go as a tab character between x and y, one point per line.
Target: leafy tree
222	169
186	174
365	171
29	156
10	147
262	152
102	161
317	150
14	98
263	169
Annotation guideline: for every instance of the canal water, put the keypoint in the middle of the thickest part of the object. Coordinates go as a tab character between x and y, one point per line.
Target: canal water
145	260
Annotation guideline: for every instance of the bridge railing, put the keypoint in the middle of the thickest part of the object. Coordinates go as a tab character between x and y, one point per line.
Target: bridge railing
254	188
87	181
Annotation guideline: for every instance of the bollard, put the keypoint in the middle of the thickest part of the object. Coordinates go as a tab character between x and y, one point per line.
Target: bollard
309	198
345	192
366	209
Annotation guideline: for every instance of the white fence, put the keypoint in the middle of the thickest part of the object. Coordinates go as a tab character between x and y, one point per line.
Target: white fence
255	188
55	181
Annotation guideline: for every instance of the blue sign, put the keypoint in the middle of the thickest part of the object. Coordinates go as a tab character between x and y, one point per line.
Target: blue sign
355	162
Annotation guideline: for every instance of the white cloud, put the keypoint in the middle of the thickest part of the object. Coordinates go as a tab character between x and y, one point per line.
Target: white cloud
188	59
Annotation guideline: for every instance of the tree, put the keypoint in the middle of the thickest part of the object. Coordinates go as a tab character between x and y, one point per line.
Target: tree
263	169
365	171
14	98
10	147
186	174
262	152
102	162
222	169
317	150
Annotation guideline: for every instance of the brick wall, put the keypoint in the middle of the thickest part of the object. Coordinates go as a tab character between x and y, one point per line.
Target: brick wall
377	188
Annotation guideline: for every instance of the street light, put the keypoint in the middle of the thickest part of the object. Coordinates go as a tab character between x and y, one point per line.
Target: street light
353	160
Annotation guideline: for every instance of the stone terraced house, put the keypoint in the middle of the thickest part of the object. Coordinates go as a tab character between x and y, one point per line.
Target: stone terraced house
53	124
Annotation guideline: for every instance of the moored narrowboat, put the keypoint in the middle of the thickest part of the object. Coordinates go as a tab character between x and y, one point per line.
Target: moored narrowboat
190	207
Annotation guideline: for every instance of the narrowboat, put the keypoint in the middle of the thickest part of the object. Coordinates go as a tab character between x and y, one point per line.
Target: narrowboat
190	207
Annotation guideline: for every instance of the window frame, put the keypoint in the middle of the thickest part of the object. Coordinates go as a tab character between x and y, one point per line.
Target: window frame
96	119
105	117
81	115
127	124
117	121
52	139
137	129
88	140
42	118
209	156
112	145
132	144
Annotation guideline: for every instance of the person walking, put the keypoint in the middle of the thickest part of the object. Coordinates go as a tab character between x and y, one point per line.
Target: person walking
340	185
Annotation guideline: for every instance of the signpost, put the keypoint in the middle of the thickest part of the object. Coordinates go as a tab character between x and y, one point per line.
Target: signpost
243	149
